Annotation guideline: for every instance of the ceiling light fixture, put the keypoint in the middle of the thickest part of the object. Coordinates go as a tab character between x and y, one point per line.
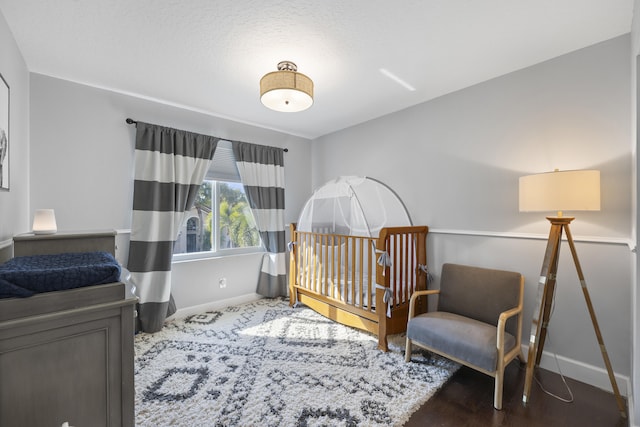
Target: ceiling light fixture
286	90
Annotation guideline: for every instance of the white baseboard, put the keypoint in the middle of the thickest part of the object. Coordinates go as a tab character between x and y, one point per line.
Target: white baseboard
593	375
214	305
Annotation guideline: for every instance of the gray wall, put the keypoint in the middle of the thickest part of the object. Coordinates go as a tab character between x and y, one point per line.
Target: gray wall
82	166
455	161
14	204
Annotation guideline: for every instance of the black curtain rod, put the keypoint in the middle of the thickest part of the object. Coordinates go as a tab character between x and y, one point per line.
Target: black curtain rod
133	122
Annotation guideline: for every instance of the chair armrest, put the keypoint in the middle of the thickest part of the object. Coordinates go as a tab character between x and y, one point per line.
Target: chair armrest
510	313
502	322
415	295
505	315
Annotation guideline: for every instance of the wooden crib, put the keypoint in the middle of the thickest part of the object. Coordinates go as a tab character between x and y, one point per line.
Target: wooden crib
363	282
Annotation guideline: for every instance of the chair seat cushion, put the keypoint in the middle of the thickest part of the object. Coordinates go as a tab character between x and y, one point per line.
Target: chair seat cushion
466	339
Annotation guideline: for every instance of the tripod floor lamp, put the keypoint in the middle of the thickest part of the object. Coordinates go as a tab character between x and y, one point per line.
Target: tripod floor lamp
556	192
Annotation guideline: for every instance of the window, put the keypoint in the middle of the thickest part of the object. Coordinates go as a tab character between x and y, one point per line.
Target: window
220	221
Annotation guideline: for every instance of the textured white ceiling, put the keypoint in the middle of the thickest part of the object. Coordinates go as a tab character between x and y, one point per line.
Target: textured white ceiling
209	55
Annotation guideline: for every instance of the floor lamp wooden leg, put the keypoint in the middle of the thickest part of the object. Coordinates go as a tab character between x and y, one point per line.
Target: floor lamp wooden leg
546	287
548	302
533	342
596	328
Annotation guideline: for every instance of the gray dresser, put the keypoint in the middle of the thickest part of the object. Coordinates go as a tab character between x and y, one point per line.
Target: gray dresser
67	356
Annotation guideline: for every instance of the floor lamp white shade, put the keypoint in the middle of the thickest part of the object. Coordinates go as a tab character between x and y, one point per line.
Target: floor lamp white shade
577	190
44	222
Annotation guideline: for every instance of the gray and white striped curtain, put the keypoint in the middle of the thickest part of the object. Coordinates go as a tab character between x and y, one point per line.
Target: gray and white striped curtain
261	169
170	165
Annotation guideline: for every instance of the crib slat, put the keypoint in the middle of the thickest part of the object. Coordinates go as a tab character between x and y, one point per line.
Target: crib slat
332	264
359	301
310	262
370	274
306	261
406	282
354	270
414	263
395	267
325	282
339	267
302	249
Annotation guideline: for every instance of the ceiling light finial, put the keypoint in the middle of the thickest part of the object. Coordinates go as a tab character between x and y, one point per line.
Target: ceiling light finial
286	90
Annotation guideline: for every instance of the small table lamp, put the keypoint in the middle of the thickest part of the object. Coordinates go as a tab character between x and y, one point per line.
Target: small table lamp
44	222
577	190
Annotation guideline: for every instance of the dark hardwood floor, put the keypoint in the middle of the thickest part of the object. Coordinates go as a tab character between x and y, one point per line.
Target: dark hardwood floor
467	401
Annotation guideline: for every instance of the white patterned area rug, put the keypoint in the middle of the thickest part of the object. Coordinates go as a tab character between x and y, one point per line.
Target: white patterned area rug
267	364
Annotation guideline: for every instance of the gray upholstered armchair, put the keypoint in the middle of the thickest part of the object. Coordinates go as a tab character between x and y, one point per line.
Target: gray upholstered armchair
477	323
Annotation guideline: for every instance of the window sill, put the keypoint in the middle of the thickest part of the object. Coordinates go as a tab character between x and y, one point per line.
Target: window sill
204	256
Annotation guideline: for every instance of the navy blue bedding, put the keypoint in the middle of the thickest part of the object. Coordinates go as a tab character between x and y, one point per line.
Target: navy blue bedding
28	275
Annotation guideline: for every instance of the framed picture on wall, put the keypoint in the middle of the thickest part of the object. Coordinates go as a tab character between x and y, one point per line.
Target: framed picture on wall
4	134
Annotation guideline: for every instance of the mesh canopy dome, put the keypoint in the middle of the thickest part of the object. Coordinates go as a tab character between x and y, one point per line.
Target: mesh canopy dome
354	206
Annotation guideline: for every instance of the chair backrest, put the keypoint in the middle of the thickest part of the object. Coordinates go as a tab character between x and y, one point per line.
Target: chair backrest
479	293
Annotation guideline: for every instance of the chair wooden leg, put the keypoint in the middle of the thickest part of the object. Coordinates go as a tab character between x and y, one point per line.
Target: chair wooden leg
497	394
407	351
499	380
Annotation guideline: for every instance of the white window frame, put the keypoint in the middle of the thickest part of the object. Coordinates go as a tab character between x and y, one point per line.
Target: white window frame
223	169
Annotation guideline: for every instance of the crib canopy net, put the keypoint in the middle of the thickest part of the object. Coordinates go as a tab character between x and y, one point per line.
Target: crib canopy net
354	206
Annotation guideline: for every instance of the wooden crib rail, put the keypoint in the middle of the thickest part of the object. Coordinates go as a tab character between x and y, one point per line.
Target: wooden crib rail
340	276
338	267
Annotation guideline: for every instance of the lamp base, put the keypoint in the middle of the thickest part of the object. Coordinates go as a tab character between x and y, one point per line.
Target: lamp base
45	231
560	220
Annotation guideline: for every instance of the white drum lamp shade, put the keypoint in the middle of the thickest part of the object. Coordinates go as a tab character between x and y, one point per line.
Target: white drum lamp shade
577	190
